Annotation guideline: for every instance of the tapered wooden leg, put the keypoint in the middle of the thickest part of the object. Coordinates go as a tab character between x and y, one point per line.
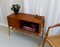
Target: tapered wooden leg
42	33
39	40
9	30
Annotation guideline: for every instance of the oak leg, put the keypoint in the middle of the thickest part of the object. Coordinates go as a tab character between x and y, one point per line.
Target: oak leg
42	33
9	30
39	40
39	37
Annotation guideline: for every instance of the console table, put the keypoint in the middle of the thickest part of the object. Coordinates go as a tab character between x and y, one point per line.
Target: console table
16	21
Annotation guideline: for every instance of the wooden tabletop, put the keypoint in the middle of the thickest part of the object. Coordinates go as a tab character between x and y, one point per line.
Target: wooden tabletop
28	17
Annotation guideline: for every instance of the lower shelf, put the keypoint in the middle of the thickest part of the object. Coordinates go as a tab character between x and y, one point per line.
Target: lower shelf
35	34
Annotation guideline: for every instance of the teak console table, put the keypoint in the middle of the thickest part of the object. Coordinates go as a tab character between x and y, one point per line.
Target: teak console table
14	21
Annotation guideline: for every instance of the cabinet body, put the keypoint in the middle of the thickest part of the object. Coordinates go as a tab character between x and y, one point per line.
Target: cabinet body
15	21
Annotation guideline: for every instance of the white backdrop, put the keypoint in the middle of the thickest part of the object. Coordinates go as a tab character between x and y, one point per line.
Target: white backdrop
5	9
50	9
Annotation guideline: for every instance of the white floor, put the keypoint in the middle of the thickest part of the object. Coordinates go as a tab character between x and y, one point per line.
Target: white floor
16	39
